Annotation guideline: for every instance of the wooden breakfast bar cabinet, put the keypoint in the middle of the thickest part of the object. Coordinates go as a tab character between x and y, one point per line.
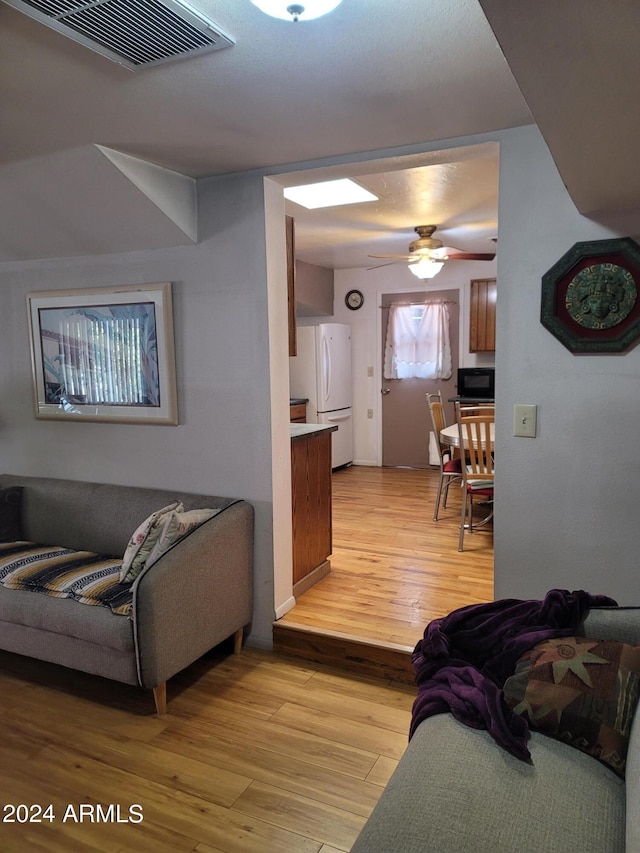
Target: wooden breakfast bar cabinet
311	503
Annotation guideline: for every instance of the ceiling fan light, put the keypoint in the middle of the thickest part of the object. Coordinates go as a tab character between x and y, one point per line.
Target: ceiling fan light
426	268
304	11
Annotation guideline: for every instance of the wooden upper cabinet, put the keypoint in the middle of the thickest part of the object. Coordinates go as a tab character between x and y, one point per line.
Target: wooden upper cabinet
482	329
291	284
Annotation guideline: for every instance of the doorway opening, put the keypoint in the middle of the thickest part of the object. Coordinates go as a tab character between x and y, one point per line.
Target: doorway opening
461	219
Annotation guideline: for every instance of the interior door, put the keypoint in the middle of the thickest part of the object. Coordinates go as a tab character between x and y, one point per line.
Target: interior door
405	416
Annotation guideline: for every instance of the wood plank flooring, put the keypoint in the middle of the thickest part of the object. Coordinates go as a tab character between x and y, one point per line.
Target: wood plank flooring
257	754
393	570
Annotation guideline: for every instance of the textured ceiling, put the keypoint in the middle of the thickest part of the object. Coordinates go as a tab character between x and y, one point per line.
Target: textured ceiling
368	77
358	79
457	190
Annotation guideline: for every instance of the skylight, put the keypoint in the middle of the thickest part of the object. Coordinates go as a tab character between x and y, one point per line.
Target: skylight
329	194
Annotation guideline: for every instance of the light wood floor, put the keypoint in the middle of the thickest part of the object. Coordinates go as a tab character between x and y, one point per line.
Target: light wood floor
393	570
259	753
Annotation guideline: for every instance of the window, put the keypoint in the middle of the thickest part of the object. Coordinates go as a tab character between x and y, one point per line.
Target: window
418	343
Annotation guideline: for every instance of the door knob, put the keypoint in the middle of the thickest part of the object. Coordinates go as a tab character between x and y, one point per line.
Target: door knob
386	391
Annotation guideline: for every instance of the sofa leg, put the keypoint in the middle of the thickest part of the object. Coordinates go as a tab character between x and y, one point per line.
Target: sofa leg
237	641
160	698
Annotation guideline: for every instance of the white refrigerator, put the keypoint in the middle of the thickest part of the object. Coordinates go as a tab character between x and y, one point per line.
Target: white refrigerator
321	372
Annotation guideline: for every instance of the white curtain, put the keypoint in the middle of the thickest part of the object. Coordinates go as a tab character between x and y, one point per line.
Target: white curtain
418	346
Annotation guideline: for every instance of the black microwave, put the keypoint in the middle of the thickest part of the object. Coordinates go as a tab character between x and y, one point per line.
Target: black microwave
476	382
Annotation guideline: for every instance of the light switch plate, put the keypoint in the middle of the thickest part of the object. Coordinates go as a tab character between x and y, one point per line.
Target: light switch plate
524	420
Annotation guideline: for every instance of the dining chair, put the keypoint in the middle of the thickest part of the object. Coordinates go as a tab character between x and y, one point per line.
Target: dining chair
477	474
468	409
450	468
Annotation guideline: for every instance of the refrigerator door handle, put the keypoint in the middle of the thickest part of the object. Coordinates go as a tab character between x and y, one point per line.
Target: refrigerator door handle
331	419
326	369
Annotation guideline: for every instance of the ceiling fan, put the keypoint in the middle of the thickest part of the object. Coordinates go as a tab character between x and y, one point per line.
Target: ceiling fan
428	254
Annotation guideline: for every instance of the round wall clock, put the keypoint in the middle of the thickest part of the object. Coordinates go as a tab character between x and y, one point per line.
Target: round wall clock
590	299
354	300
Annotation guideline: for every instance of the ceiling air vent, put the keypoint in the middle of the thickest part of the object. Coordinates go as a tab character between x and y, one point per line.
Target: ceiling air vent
135	33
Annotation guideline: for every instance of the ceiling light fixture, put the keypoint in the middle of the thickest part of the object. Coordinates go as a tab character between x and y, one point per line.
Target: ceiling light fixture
328	194
306	11
426	268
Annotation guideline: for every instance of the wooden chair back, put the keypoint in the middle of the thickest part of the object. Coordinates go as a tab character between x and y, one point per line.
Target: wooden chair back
438	421
475	437
470	409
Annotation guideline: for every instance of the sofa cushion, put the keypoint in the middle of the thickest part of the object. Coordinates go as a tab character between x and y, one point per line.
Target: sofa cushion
581	691
97	517
10	503
632	781
456	791
83	576
141	543
174	526
63	616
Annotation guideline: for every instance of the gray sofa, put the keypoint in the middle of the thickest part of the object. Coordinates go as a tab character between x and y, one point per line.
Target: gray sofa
456	791
194	597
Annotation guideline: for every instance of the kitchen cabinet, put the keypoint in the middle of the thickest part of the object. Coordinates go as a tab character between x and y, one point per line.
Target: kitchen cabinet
482	315
311	504
298	413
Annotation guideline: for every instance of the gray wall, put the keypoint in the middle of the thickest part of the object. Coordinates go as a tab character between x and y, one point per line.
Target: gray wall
314	290
567	501
222	444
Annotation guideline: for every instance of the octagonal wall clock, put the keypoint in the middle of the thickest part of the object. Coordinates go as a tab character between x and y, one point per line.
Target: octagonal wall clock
591	296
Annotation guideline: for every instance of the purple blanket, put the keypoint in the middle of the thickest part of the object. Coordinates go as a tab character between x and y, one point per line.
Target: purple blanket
464	659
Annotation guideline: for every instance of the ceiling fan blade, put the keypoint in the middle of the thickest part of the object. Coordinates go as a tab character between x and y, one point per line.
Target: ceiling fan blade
471	256
445	251
379	266
400	257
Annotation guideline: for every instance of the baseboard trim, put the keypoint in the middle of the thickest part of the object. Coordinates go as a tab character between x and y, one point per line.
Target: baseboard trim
283	609
312	578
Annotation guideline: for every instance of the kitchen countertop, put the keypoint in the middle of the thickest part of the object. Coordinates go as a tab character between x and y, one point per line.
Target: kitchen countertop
298	401
302	430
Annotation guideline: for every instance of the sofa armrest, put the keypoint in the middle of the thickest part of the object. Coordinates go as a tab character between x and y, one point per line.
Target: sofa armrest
198	594
612	623
456	791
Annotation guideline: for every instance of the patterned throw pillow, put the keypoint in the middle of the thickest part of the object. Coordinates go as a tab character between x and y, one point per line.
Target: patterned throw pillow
10	501
580	691
174	527
141	543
